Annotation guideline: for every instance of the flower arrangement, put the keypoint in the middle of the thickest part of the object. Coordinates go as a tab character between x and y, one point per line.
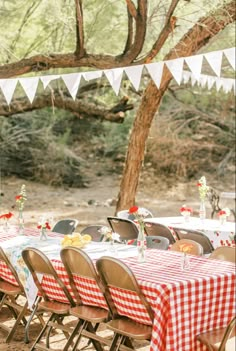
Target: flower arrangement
186	211
43	226
109	234
6	216
139	214
225	212
21	198
203	188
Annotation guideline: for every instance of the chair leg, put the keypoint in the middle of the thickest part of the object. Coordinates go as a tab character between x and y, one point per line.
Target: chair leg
26	338
77	330
42	333
18	320
95	343
114	342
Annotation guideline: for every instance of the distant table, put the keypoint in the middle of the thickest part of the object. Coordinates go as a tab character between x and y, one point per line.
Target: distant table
218	234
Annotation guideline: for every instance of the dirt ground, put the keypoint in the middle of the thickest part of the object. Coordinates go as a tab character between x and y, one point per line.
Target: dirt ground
92	205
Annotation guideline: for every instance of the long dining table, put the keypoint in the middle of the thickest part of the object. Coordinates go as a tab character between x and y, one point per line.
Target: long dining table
185	303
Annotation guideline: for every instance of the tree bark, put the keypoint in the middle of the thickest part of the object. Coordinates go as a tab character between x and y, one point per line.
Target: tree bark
196	38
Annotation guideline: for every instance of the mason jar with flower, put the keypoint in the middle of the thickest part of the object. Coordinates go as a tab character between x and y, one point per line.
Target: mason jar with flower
6	217
186	212
43	226
223	214
203	190
139	214
110	236
20	201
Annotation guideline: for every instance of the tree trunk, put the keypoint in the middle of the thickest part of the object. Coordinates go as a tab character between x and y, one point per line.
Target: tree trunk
196	38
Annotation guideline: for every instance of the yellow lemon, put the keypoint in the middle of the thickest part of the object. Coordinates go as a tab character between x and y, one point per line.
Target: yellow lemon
87	237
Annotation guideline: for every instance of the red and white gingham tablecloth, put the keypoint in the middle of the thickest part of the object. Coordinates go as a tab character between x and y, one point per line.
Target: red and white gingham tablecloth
185	303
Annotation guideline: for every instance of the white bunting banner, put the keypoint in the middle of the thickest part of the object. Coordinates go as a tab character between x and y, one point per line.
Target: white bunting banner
134	74
114	77
230	55
176	68
210	82
8	87
30	86
72	81
155	70
92	75
214	59
219	84
47	79
195	64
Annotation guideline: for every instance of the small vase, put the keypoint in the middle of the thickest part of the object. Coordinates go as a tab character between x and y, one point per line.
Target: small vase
6	226
185	263
187	217
202	210
222	220
141	245
43	234
21	223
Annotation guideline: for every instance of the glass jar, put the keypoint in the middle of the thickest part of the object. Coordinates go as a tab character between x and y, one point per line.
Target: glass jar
43	234
21	226
202	210
141	244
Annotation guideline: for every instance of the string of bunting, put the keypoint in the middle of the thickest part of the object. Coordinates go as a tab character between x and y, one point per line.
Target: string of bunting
134	74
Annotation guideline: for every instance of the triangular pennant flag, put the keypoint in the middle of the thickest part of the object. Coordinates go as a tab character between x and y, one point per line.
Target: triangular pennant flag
227	85
195	64
210	82
186	77
114	77
176	68
30	86
219	83
202	80
230	54
193	80
214	59
47	79
92	75
134	73
72	81
155	70
8	87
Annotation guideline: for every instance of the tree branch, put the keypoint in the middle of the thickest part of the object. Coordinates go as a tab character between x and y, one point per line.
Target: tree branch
63	101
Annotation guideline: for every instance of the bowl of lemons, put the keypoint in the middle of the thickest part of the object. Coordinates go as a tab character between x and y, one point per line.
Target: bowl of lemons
76	239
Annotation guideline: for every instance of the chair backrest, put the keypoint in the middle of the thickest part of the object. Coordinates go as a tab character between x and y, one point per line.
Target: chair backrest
157	229
229	330
11	274
197	236
121	284
156	242
124	227
187	246
224	253
126	215
84	280
39	264
94	232
65	226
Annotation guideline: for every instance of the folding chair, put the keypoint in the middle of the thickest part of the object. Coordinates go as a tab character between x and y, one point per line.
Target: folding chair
126	228
153	229
197	236
11	290
156	242
39	265
188	246
224	253
91	308
222	339
125	323
93	230
65	226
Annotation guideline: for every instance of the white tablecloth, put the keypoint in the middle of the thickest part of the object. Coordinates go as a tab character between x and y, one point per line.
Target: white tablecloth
216	232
